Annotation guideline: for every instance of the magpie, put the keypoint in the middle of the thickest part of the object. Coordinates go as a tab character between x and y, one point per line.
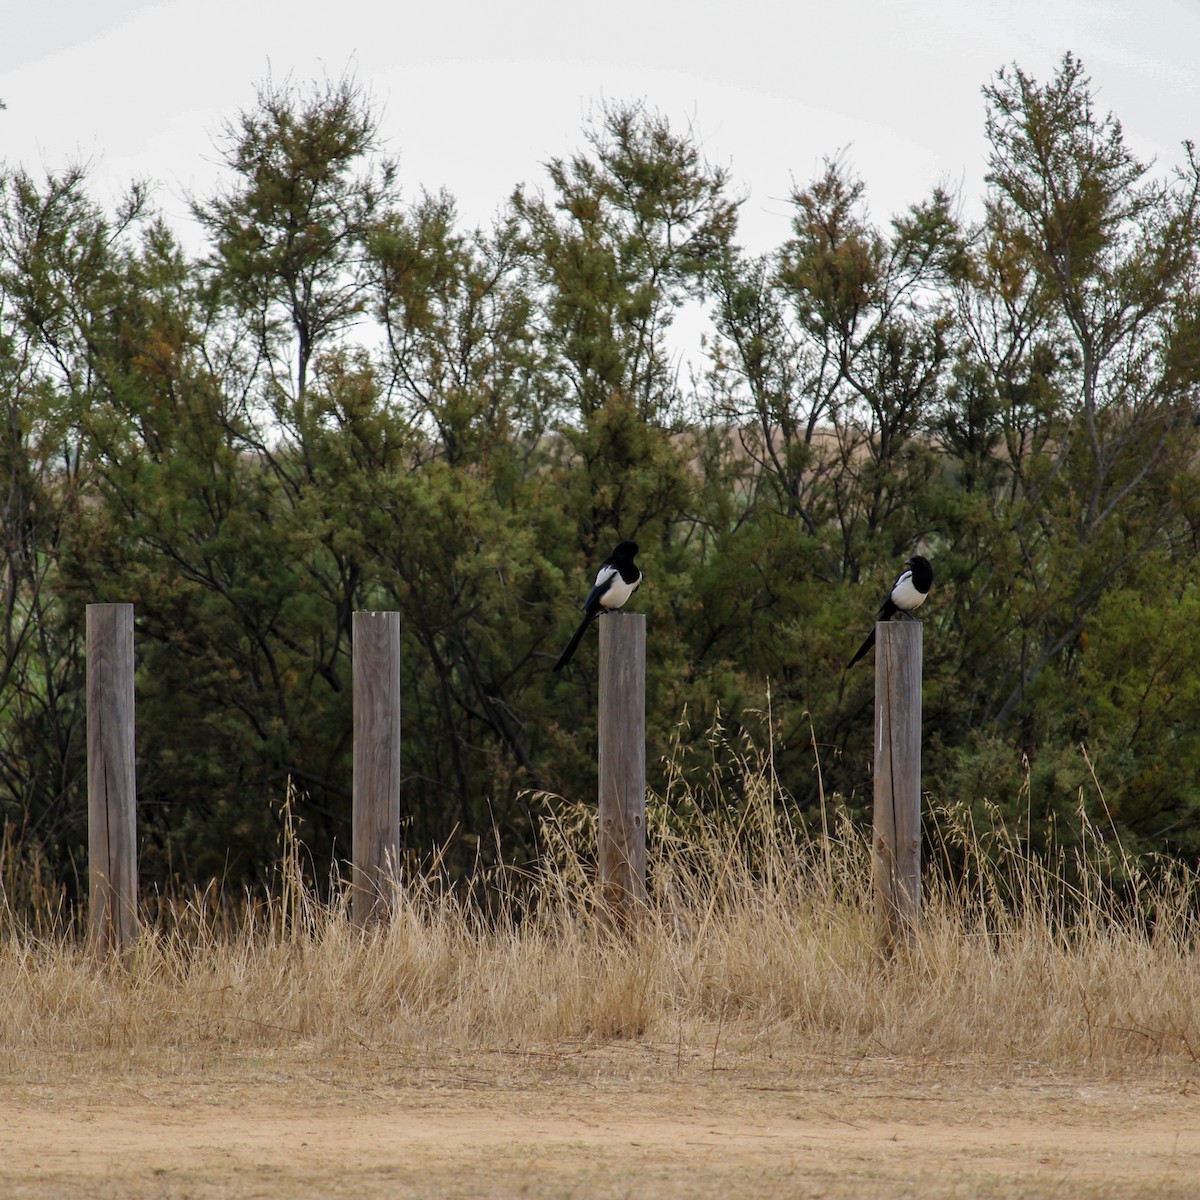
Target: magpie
908	592
616	581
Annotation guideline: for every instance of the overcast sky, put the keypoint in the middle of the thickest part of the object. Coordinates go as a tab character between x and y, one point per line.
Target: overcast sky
476	95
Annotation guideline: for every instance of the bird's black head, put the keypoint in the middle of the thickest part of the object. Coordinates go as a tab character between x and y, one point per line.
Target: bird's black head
922	572
624	552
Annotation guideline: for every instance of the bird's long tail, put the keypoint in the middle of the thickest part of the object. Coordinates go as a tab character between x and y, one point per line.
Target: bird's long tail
573	644
863	648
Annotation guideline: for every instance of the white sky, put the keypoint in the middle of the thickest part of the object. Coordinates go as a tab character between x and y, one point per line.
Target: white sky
476	95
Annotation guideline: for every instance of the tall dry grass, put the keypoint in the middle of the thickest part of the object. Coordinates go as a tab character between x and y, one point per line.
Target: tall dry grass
760	933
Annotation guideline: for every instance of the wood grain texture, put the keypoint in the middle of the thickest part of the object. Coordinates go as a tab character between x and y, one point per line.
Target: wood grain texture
896	857
375	829
622	760
112	784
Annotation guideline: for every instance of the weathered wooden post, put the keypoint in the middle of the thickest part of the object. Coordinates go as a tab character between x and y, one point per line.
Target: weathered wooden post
376	800
622	761
111	781
896	858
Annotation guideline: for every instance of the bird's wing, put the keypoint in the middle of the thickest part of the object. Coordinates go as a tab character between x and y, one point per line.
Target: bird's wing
617	591
904	593
604	581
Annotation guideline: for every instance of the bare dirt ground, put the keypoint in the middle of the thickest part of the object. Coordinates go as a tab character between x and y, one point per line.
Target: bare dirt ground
616	1120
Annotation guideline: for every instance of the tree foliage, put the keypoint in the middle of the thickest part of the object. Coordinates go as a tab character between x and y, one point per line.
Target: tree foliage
348	401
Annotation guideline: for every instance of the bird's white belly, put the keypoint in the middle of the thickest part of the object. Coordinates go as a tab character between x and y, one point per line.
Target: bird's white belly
904	595
618	592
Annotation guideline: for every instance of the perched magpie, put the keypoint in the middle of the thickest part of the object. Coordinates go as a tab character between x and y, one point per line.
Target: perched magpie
908	592
616	581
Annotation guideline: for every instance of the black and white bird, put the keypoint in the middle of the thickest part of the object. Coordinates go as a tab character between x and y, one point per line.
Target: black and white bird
616	581
908	593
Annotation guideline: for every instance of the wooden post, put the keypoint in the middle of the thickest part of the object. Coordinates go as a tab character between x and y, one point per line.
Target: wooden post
376	803
896	861
622	761
111	782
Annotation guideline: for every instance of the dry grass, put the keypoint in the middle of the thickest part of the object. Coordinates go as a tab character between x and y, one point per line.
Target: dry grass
498	1038
760	937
